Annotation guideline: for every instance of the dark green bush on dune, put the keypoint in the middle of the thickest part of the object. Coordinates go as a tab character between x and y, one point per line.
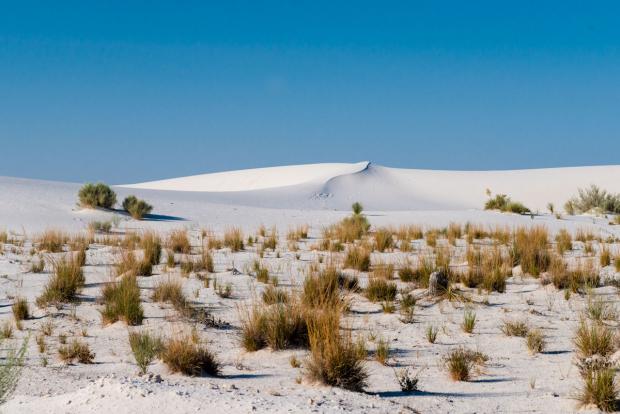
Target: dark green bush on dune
136	208
96	195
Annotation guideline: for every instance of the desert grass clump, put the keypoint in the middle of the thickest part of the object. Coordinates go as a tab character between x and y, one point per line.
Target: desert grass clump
20	309
384	239
564	241
280	326
503	203
76	350
357	258
233	239
469	321
322	289
272	295
10	370
151	244
406	274
605	257
461	362
596	199
298	233
136	208
599	310
37	266
515	328
617	263
122	302
170	291
349	229
261	272
64	285
530	250
128	264
407	381
383	271
52	241
96	195
184	356
224	291
431	333
599	388
178	242
382	353
100	226
335	359
380	290
593	339
145	348
535	341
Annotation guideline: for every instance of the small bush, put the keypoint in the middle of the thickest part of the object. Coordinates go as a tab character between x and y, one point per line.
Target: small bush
600	389
145	348
407	381
535	341
184	356
357	258
151	244
594	197
383	352
170	291
272	295
52	241
65	284
515	328
503	203
380	290
20	309
469	321
593	339
383	240
96	195
431	333
334	358
178	241
76	350
122	302
129	265
460	363
564	241
281	326
136	208
233	238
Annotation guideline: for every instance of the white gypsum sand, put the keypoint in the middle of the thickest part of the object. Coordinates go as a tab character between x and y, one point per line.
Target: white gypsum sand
513	380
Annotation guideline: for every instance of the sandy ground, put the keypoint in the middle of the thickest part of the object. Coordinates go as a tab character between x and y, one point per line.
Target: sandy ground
264	381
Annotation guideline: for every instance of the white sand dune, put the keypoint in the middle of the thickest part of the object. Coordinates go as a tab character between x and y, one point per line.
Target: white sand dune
336	186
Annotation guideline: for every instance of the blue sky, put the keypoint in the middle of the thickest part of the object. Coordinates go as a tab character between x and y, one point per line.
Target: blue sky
133	91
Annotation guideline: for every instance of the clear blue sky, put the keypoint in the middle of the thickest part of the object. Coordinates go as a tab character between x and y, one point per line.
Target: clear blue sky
131	91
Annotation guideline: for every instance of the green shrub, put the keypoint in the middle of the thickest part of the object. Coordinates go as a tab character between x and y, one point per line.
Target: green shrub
122	301
145	348
96	195
136	208
503	203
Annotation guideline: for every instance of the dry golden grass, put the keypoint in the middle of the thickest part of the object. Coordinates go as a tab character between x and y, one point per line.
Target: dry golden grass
20	309
170	291
298	233
178	242
52	240
335	359
530	249
64	285
151	244
383	239
128	264
182	355
76	350
357	258
233	239
564	241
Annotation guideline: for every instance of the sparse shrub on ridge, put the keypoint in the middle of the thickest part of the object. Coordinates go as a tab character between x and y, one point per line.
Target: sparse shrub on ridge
136	208
591	198
503	203
96	195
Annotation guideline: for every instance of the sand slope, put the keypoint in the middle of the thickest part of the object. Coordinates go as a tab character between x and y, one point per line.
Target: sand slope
336	186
